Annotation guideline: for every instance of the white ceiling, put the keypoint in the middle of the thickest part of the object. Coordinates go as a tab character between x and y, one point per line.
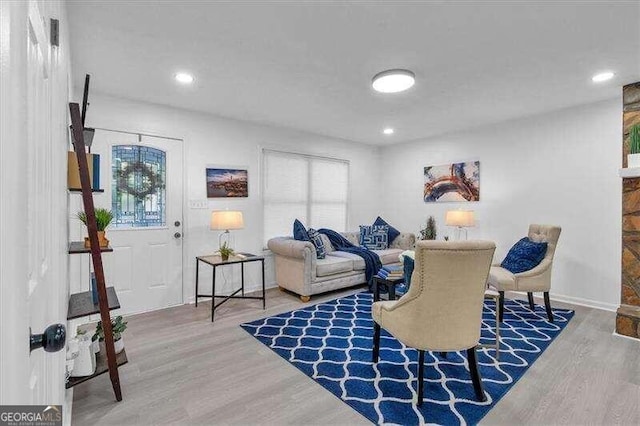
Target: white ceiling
309	65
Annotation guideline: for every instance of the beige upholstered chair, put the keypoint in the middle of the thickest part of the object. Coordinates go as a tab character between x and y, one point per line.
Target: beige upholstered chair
442	311
536	279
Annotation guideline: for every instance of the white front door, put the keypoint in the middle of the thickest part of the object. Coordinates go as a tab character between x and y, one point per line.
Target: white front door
142	179
33	201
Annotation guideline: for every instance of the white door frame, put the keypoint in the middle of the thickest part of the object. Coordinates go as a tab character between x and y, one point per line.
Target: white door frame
185	241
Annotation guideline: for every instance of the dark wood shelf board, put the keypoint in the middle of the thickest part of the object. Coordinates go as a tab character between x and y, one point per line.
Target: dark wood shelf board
81	304
101	366
77	190
77	247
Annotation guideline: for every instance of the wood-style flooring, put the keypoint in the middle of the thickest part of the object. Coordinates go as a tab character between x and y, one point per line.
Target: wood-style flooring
185	370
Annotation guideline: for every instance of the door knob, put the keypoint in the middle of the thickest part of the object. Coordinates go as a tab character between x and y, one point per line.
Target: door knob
52	340
177	235
176	223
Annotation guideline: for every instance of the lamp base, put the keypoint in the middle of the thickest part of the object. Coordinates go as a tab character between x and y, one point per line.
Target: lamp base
221	238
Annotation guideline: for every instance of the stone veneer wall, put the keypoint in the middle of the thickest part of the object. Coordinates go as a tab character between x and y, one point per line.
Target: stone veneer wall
628	318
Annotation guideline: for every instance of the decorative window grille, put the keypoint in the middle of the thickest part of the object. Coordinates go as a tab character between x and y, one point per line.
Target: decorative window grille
138	186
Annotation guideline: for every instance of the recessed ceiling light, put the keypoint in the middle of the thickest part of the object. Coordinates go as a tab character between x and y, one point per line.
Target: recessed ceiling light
184	78
388	131
603	76
393	81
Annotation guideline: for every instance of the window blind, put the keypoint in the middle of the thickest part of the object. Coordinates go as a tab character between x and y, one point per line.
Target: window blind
312	189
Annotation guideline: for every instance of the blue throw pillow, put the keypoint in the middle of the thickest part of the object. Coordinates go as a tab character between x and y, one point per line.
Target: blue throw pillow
524	256
408	264
393	232
299	231
374	237
316	239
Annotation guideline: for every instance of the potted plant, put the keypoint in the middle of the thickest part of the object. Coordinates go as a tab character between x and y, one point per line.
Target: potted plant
225	251
633	158
103	219
118	325
429	232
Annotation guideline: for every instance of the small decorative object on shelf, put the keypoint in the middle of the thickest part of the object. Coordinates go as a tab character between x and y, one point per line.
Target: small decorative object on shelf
225	251
103	219
118	325
429	232
84	361
633	158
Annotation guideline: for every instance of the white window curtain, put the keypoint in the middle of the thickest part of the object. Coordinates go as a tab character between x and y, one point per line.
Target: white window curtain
312	189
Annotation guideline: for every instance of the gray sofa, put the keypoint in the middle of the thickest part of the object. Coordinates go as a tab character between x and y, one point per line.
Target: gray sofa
299	270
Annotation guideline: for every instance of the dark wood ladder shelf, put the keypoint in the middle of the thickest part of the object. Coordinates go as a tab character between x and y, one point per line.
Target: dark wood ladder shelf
81	304
101	366
79	191
77	247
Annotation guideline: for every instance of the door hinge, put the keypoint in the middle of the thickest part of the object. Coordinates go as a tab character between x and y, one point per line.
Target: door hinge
55	32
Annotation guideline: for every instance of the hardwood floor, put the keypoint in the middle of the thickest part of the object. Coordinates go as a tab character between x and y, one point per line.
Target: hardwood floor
185	370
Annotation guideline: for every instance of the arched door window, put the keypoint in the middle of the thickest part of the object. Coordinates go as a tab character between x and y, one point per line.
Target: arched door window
138	193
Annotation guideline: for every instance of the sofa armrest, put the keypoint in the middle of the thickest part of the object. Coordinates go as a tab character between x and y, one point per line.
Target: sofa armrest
287	246
404	241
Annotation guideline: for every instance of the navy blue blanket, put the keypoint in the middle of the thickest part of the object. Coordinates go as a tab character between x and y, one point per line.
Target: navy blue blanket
371	260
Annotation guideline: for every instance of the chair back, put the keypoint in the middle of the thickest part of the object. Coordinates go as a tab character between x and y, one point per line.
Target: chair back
545	233
446	295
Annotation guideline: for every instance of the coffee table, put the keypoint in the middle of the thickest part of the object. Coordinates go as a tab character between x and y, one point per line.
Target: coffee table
390	284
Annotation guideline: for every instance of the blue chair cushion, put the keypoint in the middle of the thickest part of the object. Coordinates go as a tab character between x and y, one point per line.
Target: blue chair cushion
300	232
524	256
393	232
374	237
316	239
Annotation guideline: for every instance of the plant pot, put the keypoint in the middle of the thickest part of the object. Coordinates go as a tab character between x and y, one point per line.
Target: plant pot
118	345
633	160
102	240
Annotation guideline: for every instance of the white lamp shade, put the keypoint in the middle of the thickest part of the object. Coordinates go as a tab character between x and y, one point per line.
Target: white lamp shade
226	220
463	218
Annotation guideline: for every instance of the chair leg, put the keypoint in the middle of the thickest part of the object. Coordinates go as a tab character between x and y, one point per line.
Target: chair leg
532	306
376	342
420	376
547	304
475	374
501	316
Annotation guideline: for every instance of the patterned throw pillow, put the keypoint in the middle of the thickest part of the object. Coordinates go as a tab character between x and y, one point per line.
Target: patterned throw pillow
374	237
524	256
299	231
393	232
316	239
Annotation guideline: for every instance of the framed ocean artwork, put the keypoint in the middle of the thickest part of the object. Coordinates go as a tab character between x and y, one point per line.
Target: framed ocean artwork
452	182
227	183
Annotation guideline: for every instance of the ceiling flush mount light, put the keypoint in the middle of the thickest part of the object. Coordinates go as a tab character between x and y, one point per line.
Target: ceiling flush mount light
393	81
603	76
388	131
184	78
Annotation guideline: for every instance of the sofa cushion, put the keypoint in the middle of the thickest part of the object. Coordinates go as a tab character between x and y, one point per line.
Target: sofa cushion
299	231
392	233
316	239
388	256
333	265
374	237
358	261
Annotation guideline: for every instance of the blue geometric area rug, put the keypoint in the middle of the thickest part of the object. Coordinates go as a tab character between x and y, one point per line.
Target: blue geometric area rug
331	343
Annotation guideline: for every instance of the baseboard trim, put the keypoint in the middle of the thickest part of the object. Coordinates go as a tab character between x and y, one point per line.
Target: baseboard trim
578	301
615	334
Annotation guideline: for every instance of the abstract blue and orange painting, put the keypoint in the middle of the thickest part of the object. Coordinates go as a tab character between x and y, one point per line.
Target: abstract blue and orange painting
452	182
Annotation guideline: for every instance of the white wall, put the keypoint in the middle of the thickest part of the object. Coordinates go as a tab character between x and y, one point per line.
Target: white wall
558	168
215	140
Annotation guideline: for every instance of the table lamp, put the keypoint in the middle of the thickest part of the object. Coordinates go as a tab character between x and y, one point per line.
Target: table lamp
226	220
461	219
